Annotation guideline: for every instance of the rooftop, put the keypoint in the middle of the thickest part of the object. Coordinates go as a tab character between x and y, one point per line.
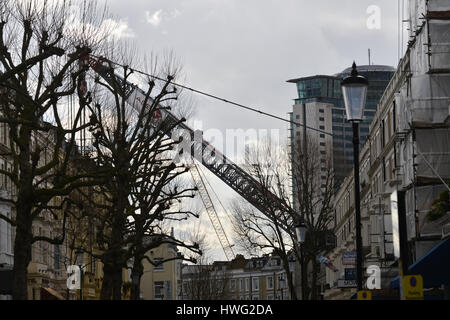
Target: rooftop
371	68
362	68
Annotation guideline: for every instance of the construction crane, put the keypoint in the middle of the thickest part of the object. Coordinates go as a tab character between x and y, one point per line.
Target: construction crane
212	213
217	163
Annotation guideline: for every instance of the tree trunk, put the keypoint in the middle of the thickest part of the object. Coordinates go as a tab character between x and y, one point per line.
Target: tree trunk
112	279
106	291
117	284
113	259
22	257
289	279
22	249
136	274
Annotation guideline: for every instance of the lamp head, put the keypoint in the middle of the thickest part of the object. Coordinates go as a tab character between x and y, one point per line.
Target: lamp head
354	91
300	231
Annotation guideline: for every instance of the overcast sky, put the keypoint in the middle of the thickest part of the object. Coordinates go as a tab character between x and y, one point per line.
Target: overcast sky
245	50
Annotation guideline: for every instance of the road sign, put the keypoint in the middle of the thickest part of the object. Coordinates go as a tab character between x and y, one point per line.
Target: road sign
413	287
364	295
349	258
350	273
346	283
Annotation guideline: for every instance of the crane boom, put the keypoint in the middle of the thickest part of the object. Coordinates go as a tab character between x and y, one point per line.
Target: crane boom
212	213
225	169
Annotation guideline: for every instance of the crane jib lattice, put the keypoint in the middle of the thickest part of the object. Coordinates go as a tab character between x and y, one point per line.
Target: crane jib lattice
226	170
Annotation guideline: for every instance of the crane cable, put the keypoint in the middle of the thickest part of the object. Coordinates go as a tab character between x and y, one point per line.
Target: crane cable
216	97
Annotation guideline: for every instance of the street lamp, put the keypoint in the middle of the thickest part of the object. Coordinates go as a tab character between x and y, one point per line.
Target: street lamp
281	286
300	231
79	259
354	90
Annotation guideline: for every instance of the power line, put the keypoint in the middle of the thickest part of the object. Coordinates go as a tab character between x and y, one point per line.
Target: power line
217	97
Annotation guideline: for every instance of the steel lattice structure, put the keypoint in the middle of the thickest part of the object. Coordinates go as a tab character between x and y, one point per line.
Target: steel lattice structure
225	169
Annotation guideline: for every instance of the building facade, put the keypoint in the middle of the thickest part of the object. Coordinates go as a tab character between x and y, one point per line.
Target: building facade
261	278
407	152
161	282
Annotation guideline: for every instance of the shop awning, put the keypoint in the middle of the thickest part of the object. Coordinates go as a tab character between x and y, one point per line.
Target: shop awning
54	295
434	267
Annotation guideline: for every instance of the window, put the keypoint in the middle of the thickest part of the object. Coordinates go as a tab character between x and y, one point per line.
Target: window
321	119
8	234
159	290
158	265
255	297
321	110
255	284
391	167
247	284
56	257
270	297
233	285
241	284
269	282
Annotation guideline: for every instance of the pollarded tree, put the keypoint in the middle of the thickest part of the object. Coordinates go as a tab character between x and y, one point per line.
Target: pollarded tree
132	147
37	74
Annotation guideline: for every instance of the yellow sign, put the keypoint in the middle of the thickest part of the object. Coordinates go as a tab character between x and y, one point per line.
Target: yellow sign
365	295
413	287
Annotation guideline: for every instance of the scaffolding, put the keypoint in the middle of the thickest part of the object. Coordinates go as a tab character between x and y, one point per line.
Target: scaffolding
422	109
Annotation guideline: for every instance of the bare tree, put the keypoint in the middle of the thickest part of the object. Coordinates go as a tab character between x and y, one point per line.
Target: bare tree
272	231
204	280
313	180
37	74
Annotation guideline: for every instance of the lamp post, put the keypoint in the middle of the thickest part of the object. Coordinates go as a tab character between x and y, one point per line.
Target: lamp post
79	258
300	231
281	286
354	91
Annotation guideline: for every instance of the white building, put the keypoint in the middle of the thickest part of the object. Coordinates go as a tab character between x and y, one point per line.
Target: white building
407	150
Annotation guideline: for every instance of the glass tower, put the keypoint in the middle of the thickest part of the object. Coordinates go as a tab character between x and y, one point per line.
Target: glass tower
327	89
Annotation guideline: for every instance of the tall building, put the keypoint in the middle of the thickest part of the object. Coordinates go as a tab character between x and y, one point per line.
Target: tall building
325	111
